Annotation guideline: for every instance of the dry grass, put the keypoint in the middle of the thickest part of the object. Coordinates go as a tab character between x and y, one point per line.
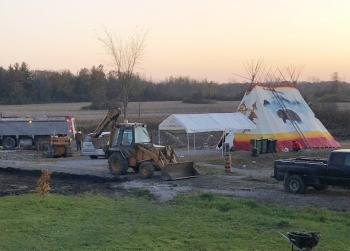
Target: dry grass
43	186
148	109
151	113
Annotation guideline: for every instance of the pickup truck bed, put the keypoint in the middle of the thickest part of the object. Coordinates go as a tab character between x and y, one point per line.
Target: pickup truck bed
302	166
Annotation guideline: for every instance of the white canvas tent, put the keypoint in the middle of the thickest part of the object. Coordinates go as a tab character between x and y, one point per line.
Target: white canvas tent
207	122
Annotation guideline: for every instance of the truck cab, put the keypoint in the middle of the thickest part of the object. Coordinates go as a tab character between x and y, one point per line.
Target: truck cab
338	168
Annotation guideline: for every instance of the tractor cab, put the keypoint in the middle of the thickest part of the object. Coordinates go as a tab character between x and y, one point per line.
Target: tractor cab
128	134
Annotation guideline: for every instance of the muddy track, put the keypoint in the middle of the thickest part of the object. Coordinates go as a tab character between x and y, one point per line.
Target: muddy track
270	191
14	182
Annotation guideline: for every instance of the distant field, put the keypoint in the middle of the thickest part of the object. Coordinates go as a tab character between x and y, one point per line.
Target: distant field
148	109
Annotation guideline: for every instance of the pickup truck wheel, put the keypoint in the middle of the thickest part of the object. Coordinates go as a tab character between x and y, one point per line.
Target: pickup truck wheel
146	169
117	164
294	184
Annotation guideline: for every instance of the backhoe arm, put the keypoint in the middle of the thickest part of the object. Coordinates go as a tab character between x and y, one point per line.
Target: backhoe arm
112	116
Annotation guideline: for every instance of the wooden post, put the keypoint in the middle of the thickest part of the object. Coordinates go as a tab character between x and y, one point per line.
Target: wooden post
228	162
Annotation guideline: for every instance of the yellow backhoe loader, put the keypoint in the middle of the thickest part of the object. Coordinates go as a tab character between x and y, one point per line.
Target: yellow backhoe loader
130	147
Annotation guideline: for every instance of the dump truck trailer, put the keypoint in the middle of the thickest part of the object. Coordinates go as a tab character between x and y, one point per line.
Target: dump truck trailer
30	132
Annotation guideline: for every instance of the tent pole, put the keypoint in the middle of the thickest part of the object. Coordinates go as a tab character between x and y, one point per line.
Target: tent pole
223	143
194	141
158	137
188	143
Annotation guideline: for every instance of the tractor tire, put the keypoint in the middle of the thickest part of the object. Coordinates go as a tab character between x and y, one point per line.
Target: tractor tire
117	164
294	184
68	152
146	169
49	152
9	143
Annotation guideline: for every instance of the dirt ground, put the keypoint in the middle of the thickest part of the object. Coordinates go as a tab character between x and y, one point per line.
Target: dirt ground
250	178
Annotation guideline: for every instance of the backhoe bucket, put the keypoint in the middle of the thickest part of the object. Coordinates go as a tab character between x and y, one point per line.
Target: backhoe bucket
178	171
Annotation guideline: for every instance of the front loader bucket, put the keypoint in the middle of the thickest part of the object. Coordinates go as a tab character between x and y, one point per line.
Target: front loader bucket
178	171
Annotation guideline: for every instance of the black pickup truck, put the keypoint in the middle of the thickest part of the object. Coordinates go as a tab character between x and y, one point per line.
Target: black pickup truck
299	173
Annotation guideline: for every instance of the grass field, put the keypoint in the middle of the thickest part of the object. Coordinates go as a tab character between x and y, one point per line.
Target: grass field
191	222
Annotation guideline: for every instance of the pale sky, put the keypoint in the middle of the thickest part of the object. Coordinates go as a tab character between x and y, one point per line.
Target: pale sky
195	38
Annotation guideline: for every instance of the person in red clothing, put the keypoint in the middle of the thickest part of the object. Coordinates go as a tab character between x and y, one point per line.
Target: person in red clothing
296	146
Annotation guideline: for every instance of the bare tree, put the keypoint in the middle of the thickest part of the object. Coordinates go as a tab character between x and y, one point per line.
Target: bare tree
126	54
335	77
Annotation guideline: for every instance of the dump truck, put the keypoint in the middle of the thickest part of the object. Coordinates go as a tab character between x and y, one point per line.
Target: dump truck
130	146
33	132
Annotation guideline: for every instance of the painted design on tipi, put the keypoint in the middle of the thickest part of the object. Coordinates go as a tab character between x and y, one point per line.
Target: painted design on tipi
287	114
242	108
252	116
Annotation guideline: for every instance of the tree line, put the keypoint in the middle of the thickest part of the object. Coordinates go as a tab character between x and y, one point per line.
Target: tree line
20	85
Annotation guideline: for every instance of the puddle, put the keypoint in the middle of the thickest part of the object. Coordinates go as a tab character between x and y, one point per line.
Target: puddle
161	191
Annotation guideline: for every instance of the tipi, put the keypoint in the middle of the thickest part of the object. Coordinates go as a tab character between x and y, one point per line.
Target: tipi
280	112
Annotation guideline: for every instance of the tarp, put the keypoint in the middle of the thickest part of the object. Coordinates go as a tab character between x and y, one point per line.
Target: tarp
281	113
207	122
